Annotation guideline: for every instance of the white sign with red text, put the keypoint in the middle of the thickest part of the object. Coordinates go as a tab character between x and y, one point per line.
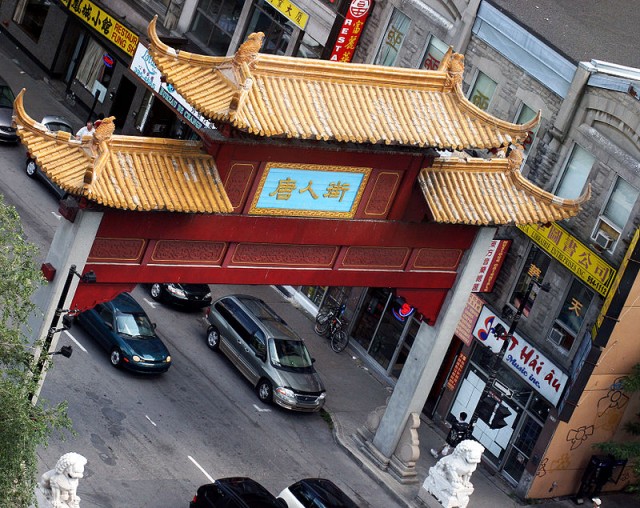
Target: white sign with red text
524	359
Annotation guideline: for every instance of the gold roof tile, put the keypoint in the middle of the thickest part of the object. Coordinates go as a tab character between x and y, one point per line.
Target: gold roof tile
126	172
483	192
278	96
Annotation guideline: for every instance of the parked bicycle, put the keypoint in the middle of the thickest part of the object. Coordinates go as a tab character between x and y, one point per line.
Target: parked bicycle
330	323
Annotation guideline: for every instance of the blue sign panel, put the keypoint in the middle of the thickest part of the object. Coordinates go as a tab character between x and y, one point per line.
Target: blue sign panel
320	191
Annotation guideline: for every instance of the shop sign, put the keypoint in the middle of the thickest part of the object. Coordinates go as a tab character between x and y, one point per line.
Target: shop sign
456	372
351	30
574	255
291	11
145	68
309	190
491	266
524	359
464	330
105	24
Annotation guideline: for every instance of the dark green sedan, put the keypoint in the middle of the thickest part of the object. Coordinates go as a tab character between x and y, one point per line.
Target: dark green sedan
125	331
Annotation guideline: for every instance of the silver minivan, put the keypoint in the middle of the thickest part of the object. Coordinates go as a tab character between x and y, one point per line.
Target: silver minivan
267	352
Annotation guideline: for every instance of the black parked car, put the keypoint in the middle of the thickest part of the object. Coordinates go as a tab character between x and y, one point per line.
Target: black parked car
196	296
235	493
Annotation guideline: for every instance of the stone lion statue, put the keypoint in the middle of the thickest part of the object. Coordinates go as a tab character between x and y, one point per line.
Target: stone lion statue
60	484
449	480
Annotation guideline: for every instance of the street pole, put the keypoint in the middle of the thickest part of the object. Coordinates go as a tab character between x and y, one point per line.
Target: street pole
496	358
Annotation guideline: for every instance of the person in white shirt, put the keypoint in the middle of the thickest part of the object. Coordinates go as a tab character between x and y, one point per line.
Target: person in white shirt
87	130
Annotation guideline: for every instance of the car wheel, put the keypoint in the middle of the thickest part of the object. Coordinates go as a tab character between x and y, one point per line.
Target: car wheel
31	168
265	391
115	357
213	338
156	291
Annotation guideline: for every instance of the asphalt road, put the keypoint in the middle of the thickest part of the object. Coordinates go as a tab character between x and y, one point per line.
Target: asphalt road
151	441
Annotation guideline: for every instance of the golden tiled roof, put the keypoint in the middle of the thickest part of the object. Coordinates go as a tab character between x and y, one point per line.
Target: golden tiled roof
484	192
126	172
278	96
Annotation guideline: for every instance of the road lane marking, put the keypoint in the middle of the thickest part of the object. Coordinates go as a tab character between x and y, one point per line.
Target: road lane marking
152	422
56	215
74	340
201	469
151	304
262	410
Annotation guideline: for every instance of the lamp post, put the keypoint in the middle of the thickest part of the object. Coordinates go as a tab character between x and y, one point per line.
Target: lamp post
484	405
41	363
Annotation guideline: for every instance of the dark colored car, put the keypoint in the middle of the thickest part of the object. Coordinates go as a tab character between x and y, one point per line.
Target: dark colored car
266	351
122	328
235	493
7	131
315	492
52	123
194	296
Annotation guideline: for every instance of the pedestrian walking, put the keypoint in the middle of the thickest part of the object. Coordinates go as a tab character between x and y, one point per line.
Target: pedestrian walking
87	130
460	430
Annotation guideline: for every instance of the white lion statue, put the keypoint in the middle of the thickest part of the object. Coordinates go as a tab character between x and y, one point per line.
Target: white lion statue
449	480
60	484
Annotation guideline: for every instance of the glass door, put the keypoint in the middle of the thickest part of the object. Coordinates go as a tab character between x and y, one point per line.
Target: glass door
368	318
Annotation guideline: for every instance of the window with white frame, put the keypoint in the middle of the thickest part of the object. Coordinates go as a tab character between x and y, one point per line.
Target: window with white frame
482	91
436	49
569	321
615	214
525	115
393	38
575	173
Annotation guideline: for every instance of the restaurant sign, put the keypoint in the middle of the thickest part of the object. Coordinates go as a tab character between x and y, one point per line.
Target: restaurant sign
574	255
291	11
491	265
351	30
525	360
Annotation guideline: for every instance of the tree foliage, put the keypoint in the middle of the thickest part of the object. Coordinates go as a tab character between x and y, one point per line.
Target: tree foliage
23	426
628	449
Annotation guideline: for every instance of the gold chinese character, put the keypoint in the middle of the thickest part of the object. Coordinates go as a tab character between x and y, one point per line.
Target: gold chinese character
336	189
357	27
352	42
309	189
346	56
480	100
554	235
534	271
394	37
284	189
570	246
575	306
602	272
585	259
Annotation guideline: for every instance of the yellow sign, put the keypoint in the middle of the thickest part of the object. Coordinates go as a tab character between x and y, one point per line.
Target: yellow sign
573	254
105	24
290	11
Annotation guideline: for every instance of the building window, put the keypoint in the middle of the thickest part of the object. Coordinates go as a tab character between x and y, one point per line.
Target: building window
436	49
276	28
615	214
393	38
526	115
482	91
569	321
541	261
92	67
575	174
309	47
30	16
214	23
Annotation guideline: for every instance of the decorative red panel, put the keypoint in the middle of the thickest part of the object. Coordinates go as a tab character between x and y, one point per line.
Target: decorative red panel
238	183
284	255
382	195
437	259
184	251
117	249
376	257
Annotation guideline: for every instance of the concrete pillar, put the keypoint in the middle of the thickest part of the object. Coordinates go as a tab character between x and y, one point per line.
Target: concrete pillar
428	351
70	246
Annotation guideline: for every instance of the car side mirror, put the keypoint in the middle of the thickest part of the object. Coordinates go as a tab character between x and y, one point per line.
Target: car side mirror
313	360
154	325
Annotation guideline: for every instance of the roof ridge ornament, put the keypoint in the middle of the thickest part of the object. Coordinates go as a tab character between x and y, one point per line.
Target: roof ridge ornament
455	70
249	50
104	131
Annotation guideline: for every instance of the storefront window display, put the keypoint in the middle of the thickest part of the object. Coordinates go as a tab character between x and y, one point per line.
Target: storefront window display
215	22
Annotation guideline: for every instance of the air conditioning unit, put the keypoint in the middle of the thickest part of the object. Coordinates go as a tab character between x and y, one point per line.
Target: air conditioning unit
603	240
556	336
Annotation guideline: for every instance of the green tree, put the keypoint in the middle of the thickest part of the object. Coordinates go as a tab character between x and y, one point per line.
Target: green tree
629	448
23	426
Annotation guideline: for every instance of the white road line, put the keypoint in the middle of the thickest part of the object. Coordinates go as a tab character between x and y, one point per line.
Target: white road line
151	304
74	340
152	422
262	410
56	215
201	469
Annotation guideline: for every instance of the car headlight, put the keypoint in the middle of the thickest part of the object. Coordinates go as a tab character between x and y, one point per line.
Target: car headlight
136	358
322	396
286	393
176	291
168	359
207	296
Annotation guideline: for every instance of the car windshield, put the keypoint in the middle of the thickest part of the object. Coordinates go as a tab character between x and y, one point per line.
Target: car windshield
136	325
289	353
6	97
59	126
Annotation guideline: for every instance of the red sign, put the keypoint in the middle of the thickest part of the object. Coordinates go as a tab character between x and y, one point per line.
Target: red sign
491	266
464	330
456	372
351	30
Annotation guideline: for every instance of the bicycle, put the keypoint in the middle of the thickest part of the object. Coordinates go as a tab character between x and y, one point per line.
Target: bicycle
324	317
339	338
329	323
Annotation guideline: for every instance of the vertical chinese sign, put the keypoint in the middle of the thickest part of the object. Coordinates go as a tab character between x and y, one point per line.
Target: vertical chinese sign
351	30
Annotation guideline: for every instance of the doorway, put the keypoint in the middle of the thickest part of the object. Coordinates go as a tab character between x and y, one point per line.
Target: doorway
122	102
